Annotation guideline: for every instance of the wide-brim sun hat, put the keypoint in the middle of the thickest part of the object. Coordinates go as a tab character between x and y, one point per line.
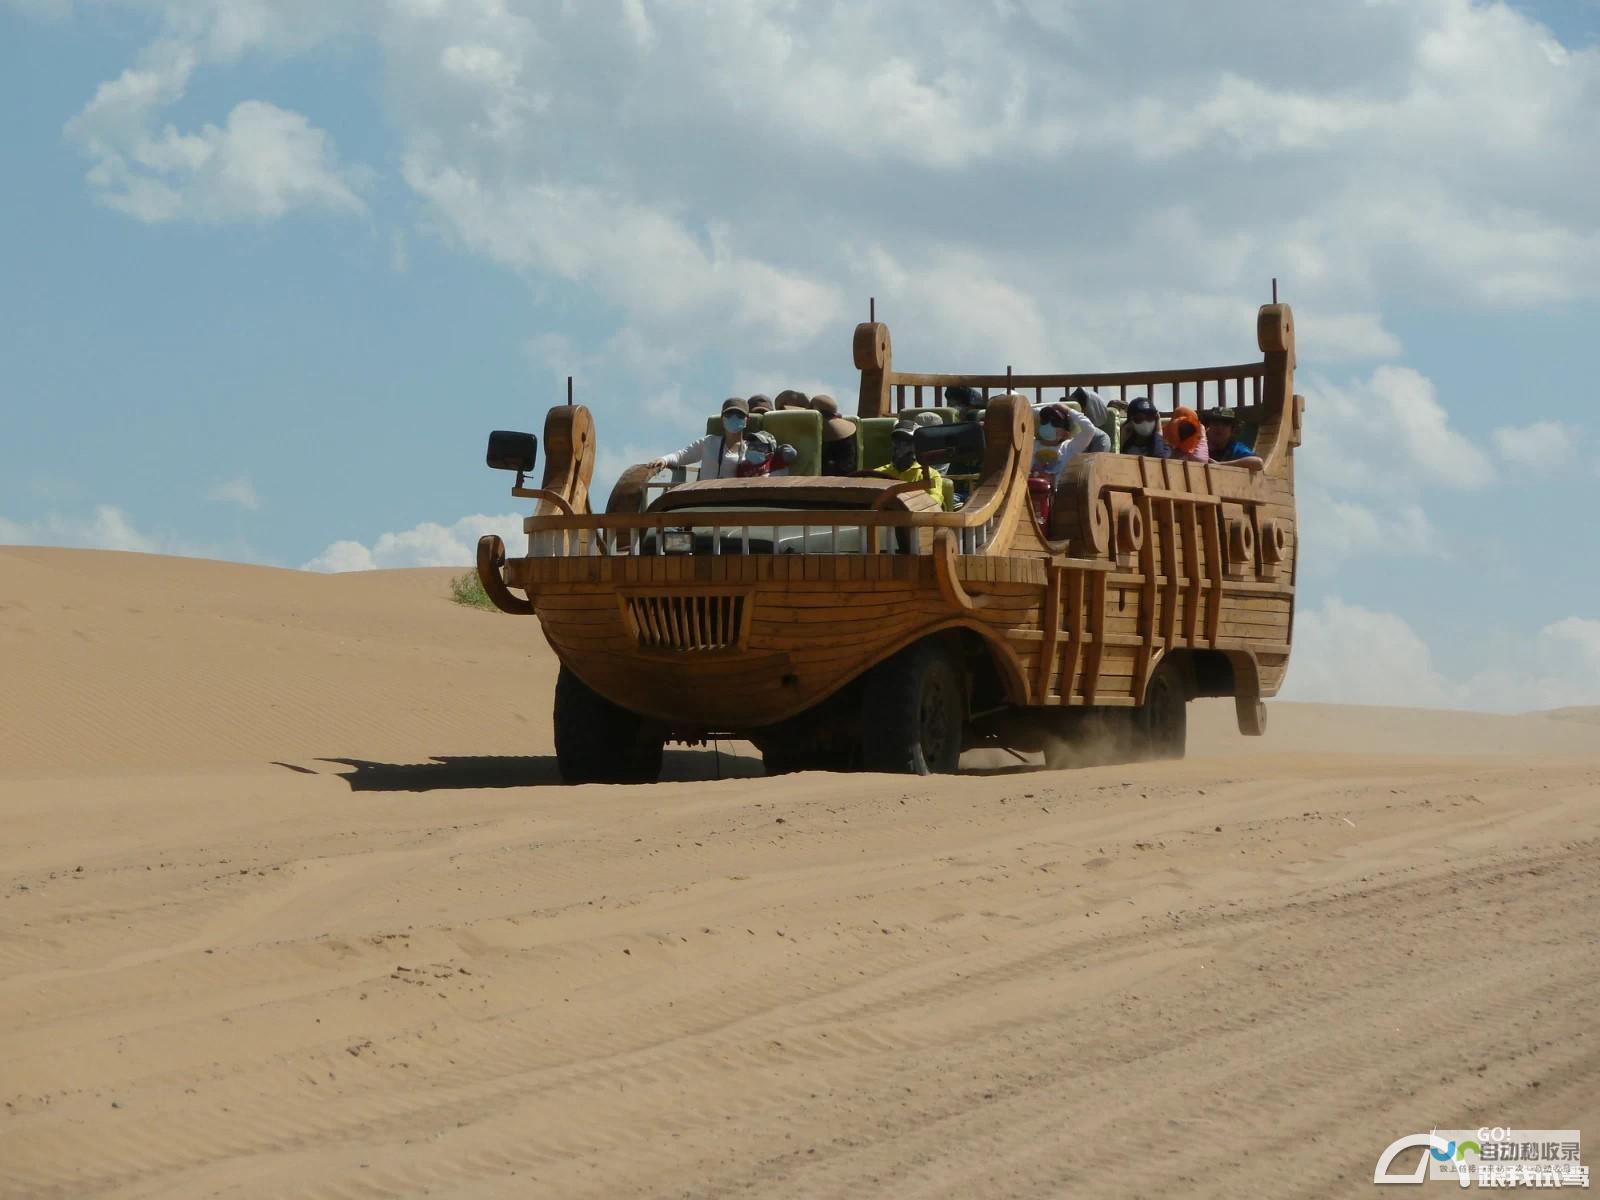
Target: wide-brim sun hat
836	429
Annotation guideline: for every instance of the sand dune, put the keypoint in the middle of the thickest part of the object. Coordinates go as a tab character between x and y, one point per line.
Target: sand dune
289	906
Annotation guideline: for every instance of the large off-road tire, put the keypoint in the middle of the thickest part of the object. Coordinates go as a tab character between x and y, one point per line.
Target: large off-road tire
600	742
913	707
1161	723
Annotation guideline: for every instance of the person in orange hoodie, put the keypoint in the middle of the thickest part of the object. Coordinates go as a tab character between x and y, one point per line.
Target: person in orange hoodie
1187	436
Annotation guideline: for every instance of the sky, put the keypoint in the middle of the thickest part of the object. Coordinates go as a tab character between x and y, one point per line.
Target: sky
271	269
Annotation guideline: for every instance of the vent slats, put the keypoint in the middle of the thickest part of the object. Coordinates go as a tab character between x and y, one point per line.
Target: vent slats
688	623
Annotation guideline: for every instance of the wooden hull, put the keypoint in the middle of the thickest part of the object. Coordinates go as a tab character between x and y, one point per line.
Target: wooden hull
809	625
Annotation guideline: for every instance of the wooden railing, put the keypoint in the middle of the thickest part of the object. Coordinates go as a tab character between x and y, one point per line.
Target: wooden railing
1239	386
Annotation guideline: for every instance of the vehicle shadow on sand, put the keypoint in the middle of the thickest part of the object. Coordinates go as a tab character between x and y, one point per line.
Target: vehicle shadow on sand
458	772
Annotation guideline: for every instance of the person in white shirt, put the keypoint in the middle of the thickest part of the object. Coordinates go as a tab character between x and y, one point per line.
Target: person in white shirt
1063	434
718	455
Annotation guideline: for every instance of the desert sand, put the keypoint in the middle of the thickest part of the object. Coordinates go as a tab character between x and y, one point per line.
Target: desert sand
292	905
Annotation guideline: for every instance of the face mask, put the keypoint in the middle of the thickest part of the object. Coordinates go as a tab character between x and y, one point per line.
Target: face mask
733	422
755	457
1144	428
1049	433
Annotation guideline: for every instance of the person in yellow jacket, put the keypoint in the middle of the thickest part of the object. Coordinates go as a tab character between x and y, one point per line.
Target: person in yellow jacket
903	463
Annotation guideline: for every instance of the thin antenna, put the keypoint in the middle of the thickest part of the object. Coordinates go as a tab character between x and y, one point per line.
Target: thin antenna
1274	289
872	309
569	391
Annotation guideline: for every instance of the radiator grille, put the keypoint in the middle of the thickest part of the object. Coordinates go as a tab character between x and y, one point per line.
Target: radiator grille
687	622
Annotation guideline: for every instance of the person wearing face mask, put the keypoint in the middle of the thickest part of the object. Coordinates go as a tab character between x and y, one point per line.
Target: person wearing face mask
903	464
1062	435
1141	432
760	450
717	454
1187	436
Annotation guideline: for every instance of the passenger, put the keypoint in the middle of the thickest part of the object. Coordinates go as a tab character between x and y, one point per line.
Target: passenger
1221	424
789	398
903	462
1141	432
760	403
1186	436
763	455
840	455
1094	407
717	454
969	405
927	417
967	401
1054	446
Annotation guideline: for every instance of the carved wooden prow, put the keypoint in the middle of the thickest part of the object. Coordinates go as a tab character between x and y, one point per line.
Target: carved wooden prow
569	450
1279	430
873	358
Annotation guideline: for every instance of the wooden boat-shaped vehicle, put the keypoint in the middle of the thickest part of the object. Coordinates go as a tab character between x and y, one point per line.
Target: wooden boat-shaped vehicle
847	622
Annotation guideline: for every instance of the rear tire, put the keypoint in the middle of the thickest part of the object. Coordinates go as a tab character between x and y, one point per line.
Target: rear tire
600	742
913	708
1161	723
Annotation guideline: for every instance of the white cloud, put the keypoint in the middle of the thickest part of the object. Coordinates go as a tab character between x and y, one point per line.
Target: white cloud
1387	432
1542	444
108	527
1334	529
262	163
238	490
426	545
646	263
1346	654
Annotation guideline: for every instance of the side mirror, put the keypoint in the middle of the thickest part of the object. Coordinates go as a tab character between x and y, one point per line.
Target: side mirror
941	443
512	451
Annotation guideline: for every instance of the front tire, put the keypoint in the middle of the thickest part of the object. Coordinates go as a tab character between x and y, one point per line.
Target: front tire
600	742
912	713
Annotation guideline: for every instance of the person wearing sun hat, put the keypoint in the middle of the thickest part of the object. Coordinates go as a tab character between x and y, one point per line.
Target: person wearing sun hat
718	455
903	464
839	456
789	398
1221	424
760	403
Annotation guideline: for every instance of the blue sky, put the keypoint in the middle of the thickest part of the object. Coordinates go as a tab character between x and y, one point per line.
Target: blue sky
270	269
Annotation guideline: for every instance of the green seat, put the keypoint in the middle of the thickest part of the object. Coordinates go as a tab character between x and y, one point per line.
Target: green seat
802	429
872	436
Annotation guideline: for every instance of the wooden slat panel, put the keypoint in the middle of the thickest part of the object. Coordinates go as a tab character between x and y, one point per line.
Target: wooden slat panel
1095	587
1194	575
